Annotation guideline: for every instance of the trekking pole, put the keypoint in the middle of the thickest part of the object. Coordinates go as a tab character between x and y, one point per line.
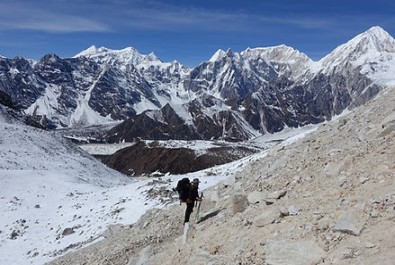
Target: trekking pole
198	208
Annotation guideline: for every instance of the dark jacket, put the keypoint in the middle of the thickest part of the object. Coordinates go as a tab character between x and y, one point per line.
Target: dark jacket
193	194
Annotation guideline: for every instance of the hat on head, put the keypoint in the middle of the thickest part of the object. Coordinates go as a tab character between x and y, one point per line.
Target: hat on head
196	181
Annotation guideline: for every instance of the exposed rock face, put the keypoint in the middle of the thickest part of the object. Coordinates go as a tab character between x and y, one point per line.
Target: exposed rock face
165	124
159	125
11	111
327	215
6	100
19	80
233	96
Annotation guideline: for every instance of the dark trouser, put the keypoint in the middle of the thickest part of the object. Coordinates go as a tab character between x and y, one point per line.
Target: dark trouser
188	212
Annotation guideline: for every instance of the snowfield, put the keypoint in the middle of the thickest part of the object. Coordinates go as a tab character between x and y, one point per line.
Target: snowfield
55	197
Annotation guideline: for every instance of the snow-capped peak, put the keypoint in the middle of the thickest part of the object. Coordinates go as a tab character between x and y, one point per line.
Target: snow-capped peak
88	52
127	55
152	57
217	55
380	38
93	50
281	53
374	39
366	47
284	59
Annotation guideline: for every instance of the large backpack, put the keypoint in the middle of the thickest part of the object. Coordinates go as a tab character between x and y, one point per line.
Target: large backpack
183	189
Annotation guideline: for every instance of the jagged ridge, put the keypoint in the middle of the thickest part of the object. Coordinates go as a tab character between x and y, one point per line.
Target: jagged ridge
260	90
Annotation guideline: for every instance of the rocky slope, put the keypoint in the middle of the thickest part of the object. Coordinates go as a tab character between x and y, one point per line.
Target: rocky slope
142	158
328	198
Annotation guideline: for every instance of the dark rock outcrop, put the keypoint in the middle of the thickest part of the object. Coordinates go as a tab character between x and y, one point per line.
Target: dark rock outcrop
142	158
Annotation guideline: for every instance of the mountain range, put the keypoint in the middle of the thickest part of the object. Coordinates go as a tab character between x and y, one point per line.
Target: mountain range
233	96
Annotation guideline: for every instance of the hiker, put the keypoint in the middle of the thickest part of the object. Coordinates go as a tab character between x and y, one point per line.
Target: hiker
193	195
188	193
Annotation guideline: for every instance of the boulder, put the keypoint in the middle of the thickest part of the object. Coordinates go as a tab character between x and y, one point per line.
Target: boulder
293	210
256	197
277	194
240	203
293	252
267	217
333	169
348	224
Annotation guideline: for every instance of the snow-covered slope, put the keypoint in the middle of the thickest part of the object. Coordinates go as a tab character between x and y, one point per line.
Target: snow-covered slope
47	184
372	52
55	197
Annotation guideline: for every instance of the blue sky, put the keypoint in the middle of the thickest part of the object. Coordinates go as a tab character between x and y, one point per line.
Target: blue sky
186	31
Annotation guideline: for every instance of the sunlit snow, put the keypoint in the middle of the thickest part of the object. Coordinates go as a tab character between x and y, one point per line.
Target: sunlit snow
55	196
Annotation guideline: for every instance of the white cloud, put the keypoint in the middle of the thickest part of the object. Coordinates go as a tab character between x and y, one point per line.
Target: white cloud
25	16
62	16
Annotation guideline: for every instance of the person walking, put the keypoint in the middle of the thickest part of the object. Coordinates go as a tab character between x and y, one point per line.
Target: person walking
192	197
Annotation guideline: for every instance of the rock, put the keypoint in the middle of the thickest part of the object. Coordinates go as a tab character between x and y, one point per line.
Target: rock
293	210
14	234
240	203
388	128
374	213
333	169
347	224
295	252
68	231
363	179
348	253
256	197
284	211
111	230
296	179
213	250
267	217
342	122
269	201
369	245
277	194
